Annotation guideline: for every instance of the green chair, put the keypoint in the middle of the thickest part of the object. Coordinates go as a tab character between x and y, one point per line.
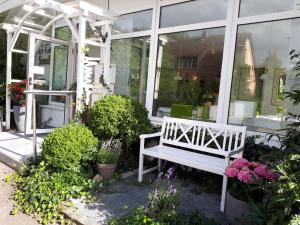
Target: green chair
182	111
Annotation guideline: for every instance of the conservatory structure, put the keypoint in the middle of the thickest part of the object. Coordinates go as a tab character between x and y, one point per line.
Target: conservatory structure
224	61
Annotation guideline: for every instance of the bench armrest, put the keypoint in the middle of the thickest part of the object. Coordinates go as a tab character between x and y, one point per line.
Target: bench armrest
235	152
144	136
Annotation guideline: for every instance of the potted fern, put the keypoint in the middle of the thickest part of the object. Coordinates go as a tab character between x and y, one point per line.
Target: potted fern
107	158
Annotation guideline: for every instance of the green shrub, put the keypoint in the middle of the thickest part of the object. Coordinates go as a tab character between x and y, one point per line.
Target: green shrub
117	116
68	148
40	192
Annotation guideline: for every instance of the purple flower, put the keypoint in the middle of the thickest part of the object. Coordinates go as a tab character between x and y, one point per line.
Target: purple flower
170	173
240	163
231	172
172	189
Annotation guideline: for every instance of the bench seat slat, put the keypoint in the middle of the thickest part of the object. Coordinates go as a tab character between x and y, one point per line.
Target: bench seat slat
196	160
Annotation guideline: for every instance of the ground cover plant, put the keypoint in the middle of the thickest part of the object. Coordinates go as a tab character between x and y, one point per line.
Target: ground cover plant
62	174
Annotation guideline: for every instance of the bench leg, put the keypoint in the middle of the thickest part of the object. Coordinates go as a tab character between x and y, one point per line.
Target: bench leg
224	191
141	166
159	165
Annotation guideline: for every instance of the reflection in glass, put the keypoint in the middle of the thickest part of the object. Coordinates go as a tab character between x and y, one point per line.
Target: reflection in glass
256	7
133	22
193	12
188	74
129	66
48	114
262	73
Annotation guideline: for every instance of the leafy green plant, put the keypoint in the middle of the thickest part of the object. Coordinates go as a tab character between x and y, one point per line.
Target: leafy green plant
69	148
40	192
117	116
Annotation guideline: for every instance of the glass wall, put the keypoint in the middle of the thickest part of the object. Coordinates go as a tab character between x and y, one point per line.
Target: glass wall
129	67
257	7
193	12
262	73
133	22
187	69
188	74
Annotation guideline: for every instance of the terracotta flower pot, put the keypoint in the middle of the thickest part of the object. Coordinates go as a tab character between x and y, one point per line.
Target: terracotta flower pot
19	115
235	210
107	171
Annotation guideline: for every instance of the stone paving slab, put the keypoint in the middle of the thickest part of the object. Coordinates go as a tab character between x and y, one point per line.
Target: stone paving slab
16	148
121	197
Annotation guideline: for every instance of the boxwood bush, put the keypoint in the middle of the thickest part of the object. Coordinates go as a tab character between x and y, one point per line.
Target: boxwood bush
116	116
68	148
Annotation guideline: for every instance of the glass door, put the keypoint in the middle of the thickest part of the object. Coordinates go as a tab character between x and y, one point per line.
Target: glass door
48	69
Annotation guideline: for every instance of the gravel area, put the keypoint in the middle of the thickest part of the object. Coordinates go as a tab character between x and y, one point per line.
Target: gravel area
6	204
121	197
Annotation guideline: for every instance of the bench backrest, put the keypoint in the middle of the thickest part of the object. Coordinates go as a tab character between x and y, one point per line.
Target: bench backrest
219	139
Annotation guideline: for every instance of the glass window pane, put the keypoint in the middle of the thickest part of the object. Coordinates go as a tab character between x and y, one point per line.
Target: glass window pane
188	74
193	12
133	22
19	66
130	58
256	7
262	73
63	33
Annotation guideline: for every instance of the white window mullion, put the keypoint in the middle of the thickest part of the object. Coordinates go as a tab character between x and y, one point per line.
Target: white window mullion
196	26
131	35
228	61
152	57
269	17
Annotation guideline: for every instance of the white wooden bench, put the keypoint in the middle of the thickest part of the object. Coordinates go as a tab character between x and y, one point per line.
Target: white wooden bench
201	145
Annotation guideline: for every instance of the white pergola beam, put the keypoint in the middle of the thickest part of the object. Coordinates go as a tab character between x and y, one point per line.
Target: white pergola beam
40	12
85	6
101	23
80	62
7	5
8	79
28	23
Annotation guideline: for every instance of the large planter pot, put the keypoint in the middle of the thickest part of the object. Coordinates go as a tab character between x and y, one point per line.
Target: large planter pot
19	115
235	210
107	171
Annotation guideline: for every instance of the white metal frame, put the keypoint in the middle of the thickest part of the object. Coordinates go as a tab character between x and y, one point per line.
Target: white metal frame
174	134
231	24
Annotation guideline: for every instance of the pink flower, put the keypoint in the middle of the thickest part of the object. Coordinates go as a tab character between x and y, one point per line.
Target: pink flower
231	172
272	176
245	176
240	163
261	170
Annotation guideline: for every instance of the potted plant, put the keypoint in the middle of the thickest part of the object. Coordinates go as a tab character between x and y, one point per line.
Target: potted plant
247	182
18	100
107	159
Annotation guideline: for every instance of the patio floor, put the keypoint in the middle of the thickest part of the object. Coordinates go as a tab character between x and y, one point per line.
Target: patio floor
121	197
16	148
